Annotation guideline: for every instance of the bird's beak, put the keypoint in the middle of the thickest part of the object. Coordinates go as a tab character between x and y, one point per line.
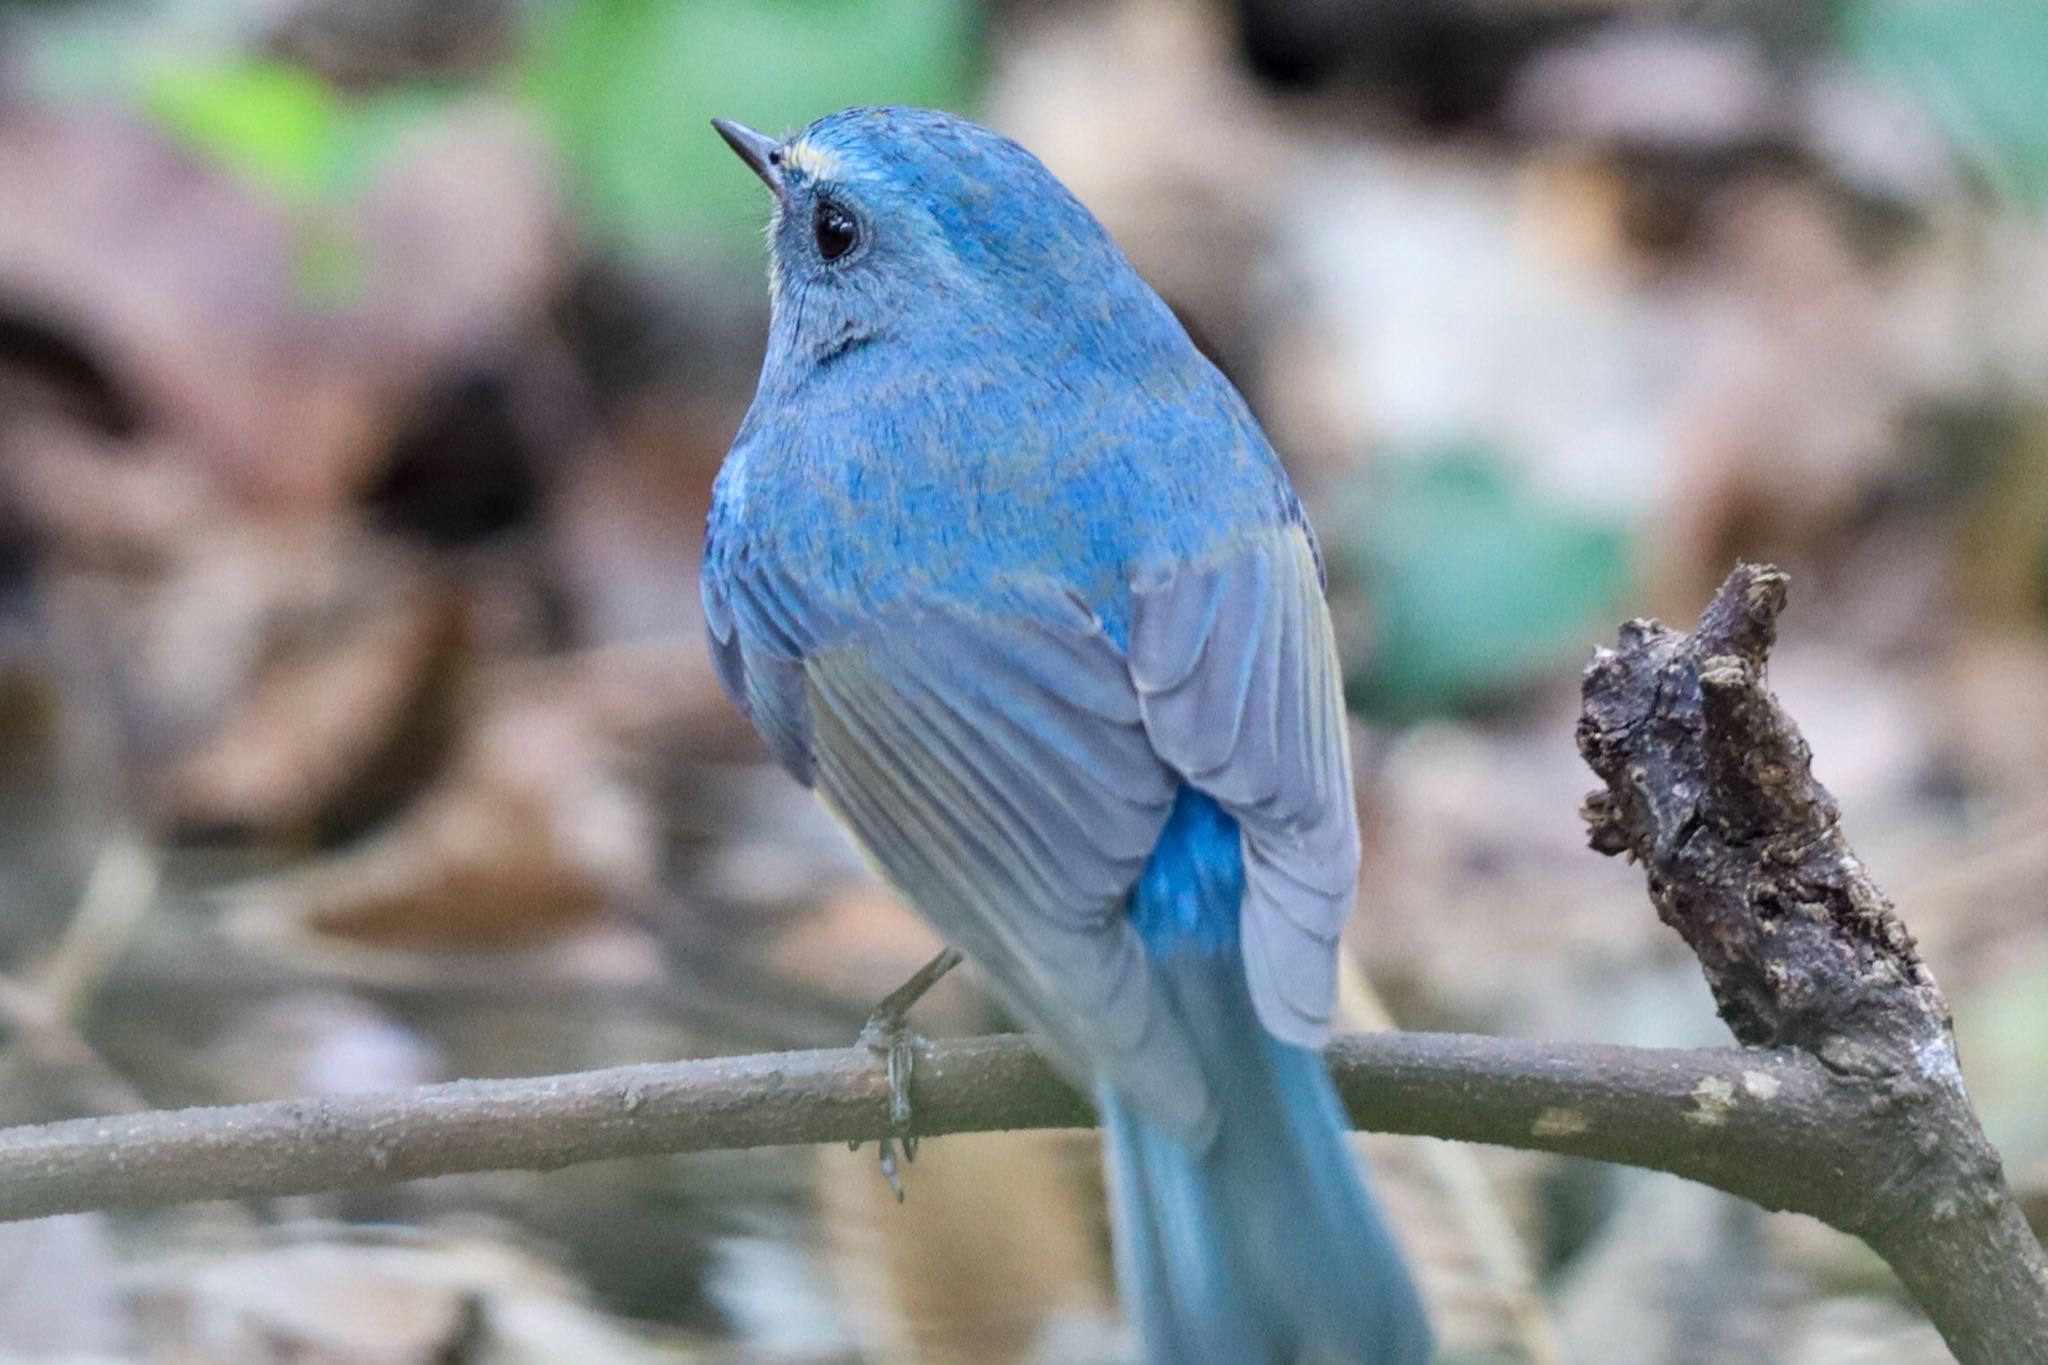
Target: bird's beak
758	150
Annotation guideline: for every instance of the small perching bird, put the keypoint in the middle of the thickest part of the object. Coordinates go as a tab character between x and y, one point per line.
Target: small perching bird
1006	570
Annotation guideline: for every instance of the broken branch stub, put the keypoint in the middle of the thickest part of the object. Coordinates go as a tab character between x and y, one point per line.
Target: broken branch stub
1710	787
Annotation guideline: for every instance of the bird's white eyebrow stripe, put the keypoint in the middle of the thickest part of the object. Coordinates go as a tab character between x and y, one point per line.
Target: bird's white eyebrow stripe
819	164
806	157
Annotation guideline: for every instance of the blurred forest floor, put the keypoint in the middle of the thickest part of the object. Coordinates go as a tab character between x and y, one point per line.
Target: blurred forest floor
364	365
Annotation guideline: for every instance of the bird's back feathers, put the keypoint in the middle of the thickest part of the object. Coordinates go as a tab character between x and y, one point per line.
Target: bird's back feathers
1005	568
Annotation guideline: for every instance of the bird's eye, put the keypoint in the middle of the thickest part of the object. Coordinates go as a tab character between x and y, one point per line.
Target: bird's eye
834	229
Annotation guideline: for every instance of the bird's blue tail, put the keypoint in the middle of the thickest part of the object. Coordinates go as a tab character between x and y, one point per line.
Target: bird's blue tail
1264	1245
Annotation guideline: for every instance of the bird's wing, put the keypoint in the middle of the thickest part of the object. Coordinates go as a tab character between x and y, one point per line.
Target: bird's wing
996	769
757	646
1239	687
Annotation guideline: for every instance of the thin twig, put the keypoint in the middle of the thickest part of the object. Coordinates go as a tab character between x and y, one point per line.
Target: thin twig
1460	1180
118	894
54	1047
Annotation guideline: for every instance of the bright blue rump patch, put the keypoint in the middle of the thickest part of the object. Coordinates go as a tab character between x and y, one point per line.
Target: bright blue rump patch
1192	889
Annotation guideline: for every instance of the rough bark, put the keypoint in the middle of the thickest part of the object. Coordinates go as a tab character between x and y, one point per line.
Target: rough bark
1710	786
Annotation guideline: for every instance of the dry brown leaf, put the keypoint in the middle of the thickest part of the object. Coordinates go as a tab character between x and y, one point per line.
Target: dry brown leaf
286	399
340	721
96	503
1001	1234
542	823
203	318
332	1296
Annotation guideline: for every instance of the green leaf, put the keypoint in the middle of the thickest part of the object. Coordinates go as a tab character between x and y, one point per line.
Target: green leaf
271	123
1461	586
628	88
286	132
280	127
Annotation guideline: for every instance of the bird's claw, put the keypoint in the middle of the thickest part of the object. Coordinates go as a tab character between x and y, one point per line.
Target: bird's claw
893	1041
887	1034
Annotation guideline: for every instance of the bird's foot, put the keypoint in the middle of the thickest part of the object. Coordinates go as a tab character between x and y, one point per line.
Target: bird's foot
888	1034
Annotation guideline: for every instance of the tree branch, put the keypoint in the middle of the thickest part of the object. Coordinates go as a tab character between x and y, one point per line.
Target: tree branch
1757	1124
1710	786
1849	1104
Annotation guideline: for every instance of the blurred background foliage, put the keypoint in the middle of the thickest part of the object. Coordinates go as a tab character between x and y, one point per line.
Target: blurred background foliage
364	365
605	77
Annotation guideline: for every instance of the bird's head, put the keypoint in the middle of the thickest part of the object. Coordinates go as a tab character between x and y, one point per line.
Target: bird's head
908	224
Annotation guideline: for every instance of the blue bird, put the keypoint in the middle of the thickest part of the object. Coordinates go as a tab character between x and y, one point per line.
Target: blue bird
1003	568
